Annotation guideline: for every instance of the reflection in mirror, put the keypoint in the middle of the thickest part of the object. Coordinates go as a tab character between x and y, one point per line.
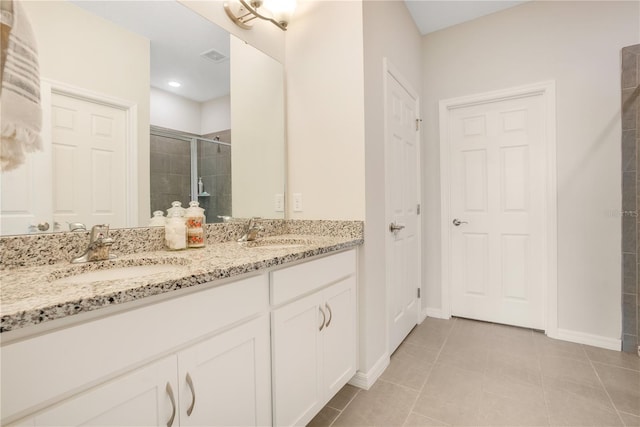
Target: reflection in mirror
100	162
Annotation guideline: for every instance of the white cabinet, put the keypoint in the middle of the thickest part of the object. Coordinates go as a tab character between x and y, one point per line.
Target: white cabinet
226	380
122	369
202	358
313	341
222	381
140	398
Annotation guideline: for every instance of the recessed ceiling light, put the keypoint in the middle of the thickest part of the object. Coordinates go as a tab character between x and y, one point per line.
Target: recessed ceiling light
174	84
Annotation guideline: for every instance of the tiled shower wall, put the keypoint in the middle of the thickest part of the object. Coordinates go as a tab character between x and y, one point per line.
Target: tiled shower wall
170	165
630	197
214	166
171	173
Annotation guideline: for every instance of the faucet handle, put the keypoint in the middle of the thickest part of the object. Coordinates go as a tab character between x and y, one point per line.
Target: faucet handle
99	230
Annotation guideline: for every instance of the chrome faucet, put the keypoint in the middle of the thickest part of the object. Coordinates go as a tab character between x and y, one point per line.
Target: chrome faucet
99	245
77	226
251	230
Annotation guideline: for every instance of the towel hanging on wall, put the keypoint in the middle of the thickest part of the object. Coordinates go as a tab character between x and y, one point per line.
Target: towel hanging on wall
20	112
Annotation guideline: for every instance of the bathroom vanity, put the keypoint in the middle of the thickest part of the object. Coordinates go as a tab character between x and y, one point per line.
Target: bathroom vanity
268	338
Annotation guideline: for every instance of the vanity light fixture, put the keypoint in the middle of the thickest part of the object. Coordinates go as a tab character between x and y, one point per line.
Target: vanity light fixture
243	12
174	83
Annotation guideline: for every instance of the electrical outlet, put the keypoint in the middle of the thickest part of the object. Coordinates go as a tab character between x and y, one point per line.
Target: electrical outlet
297	202
279	202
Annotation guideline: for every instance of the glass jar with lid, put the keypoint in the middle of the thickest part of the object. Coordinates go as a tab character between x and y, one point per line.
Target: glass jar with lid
158	219
176	207
175	232
195	221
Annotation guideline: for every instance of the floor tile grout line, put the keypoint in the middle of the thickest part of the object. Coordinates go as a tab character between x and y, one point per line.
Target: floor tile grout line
411	410
340	411
605	388
542	383
614	366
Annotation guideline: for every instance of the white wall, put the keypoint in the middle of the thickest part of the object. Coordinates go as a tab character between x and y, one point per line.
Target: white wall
257	110
577	44
325	110
172	111
389	31
175	112
215	115
79	49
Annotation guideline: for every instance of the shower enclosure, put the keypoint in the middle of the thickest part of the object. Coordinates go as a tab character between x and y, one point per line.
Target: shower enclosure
179	161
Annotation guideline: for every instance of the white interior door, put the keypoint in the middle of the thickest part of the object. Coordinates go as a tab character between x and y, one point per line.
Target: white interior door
497	213
26	197
402	195
89	162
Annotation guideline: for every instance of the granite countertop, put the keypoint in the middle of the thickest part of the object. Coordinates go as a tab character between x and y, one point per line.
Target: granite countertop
34	295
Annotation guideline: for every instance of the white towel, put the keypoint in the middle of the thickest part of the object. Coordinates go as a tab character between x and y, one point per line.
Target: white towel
20	112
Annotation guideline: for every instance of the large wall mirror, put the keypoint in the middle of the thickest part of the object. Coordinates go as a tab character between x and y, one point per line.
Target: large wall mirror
121	140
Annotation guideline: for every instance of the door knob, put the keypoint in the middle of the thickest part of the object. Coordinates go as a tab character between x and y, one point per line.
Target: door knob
394	228
43	226
457	222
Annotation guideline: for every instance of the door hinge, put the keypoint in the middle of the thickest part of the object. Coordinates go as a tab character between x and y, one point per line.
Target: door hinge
418	292
418	209
418	124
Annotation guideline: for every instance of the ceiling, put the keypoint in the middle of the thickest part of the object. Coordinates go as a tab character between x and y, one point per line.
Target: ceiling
434	15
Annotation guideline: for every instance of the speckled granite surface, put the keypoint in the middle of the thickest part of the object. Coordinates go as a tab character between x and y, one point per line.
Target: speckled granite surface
37	294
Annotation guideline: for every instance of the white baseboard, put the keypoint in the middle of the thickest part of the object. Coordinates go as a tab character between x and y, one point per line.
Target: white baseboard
588	339
423	315
434	312
365	380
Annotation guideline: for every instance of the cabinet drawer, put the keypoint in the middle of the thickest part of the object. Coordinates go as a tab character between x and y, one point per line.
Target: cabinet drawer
48	367
291	282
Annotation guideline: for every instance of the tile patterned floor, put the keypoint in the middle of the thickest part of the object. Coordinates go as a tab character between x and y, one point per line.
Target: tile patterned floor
461	372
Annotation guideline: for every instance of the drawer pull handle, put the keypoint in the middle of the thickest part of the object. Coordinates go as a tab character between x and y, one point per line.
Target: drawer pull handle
173	405
193	394
324	318
330	315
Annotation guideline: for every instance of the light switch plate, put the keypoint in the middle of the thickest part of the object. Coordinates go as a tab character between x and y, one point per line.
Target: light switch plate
279	202
297	202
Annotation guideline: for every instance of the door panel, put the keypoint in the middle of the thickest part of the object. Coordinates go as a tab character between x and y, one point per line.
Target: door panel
89	162
136	399
297	366
225	380
402	178
338	337
498	193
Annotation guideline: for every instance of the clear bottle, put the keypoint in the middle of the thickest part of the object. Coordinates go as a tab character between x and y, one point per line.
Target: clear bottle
175	232
158	219
195	221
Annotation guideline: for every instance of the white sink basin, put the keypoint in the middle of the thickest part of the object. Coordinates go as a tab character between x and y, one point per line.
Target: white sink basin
277	243
277	246
118	273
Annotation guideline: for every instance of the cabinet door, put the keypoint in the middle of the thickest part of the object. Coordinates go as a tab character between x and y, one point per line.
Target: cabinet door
339	335
140	398
298	393
225	380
